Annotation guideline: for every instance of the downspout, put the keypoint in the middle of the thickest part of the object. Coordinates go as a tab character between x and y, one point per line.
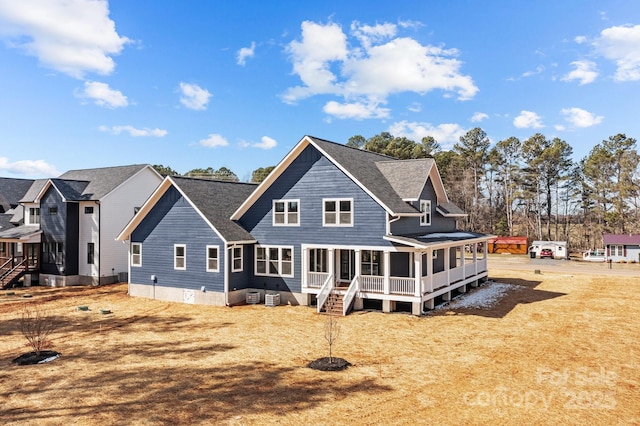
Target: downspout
226	274
389	222
99	240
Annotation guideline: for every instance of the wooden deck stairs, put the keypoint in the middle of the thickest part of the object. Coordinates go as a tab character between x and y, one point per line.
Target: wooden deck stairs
11	276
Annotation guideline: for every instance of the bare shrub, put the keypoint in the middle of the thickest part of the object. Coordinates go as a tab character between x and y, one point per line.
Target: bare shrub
36	325
331	333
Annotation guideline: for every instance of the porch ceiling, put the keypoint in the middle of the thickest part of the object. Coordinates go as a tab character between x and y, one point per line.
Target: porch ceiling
21	234
438	239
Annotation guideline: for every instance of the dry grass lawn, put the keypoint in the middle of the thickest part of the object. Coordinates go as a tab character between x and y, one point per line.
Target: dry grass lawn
560	349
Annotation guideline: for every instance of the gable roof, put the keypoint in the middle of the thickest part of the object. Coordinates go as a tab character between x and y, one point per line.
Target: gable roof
622	239
12	190
389	181
214	200
85	184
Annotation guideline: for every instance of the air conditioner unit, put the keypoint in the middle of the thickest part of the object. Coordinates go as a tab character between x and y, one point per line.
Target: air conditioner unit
272	299
253	297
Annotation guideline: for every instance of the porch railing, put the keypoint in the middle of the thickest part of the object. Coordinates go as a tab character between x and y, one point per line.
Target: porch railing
372	283
316	279
349	295
402	285
325	290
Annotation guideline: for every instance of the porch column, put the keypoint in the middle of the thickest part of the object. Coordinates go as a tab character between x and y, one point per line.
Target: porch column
475	258
332	266
463	256
387	270
358	267
430	268
305	268
447	263
417	272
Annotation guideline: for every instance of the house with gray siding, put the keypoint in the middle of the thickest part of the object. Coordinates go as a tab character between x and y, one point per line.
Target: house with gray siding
622	247
185	248
70	224
331	226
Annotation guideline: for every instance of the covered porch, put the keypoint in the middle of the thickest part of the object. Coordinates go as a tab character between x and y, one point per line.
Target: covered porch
413	269
19	254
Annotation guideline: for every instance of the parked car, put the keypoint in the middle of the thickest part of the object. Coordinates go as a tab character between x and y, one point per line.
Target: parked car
546	253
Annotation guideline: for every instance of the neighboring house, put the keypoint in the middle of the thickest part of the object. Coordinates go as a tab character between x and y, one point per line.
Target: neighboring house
14	242
559	248
71	223
510	245
329	225
622	247
184	246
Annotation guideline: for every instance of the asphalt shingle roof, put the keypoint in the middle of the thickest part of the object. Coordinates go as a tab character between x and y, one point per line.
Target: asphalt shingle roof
217	200
12	190
362	165
86	184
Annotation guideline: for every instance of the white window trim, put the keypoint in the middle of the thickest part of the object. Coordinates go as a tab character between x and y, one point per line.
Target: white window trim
423	218
268	261
337	201
286	212
28	216
217	269
140	254
175	258
233	259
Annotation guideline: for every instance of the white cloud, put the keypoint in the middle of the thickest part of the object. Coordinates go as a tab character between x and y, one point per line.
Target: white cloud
103	95
579	117
356	110
478	117
528	120
364	71
539	69
622	45
580	39
194	96
28	168
214	140
415	107
585	72
244	53
73	37
133	131
446	134
265	143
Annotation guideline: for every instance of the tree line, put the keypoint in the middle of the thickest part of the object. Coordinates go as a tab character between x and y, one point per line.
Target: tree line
529	188
533	187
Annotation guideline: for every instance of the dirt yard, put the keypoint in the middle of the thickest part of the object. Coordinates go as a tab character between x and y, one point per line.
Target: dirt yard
558	348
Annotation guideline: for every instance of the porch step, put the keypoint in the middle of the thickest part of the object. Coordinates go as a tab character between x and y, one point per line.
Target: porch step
10	277
333	305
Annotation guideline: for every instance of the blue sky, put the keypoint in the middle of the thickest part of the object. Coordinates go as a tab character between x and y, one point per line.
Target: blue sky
206	83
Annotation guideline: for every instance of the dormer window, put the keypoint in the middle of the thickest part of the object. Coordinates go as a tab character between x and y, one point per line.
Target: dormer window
425	209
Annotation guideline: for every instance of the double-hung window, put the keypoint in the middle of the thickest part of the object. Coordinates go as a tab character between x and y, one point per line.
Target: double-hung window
274	261
286	212
617	250
213	259
337	212
34	215
236	259
425	209
180	256
136	254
